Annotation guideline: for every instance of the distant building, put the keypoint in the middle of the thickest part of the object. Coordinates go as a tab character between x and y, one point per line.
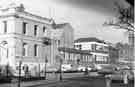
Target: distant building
61	35
98	49
113	55
76	57
125	53
102	52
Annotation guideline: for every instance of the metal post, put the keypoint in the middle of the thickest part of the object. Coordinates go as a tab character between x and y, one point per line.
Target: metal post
19	79
45	68
7	63
7	70
60	69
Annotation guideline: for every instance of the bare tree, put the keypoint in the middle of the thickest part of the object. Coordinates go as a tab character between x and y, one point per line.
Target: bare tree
125	18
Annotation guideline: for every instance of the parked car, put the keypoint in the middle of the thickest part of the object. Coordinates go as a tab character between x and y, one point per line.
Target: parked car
69	67
64	69
51	69
81	68
98	67
89	68
107	70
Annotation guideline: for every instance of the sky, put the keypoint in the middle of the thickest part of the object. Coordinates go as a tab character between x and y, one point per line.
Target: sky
85	16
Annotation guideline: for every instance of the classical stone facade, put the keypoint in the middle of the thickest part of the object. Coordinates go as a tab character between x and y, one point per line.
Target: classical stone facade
24	33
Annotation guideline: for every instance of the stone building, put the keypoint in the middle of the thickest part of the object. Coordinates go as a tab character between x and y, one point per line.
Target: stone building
24	34
61	35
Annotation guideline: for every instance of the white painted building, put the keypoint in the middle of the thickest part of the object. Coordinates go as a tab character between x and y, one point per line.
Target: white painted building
23	33
98	48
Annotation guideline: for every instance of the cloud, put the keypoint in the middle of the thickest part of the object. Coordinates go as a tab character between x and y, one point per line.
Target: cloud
106	6
103	6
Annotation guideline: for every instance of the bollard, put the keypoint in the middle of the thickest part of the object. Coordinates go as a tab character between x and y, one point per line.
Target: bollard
108	81
125	79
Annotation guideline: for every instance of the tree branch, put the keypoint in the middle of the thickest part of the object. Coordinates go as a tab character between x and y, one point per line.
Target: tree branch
119	26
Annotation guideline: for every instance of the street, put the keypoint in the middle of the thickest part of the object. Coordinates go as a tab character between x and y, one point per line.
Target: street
69	80
81	81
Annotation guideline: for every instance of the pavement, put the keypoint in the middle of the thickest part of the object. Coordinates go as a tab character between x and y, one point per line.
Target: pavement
51	78
71	79
29	84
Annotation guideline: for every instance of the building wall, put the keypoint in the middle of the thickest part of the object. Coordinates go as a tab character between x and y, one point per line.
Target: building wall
68	36
124	53
114	55
88	45
10	38
15	38
20	43
98	50
61	36
75	57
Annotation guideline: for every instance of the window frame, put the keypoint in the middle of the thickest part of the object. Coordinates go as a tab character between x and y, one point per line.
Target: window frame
24	29
35	50
25	49
35	30
44	29
5	26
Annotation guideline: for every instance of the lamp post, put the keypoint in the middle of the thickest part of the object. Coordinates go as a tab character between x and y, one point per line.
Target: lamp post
61	65
60	69
19	78
46	61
